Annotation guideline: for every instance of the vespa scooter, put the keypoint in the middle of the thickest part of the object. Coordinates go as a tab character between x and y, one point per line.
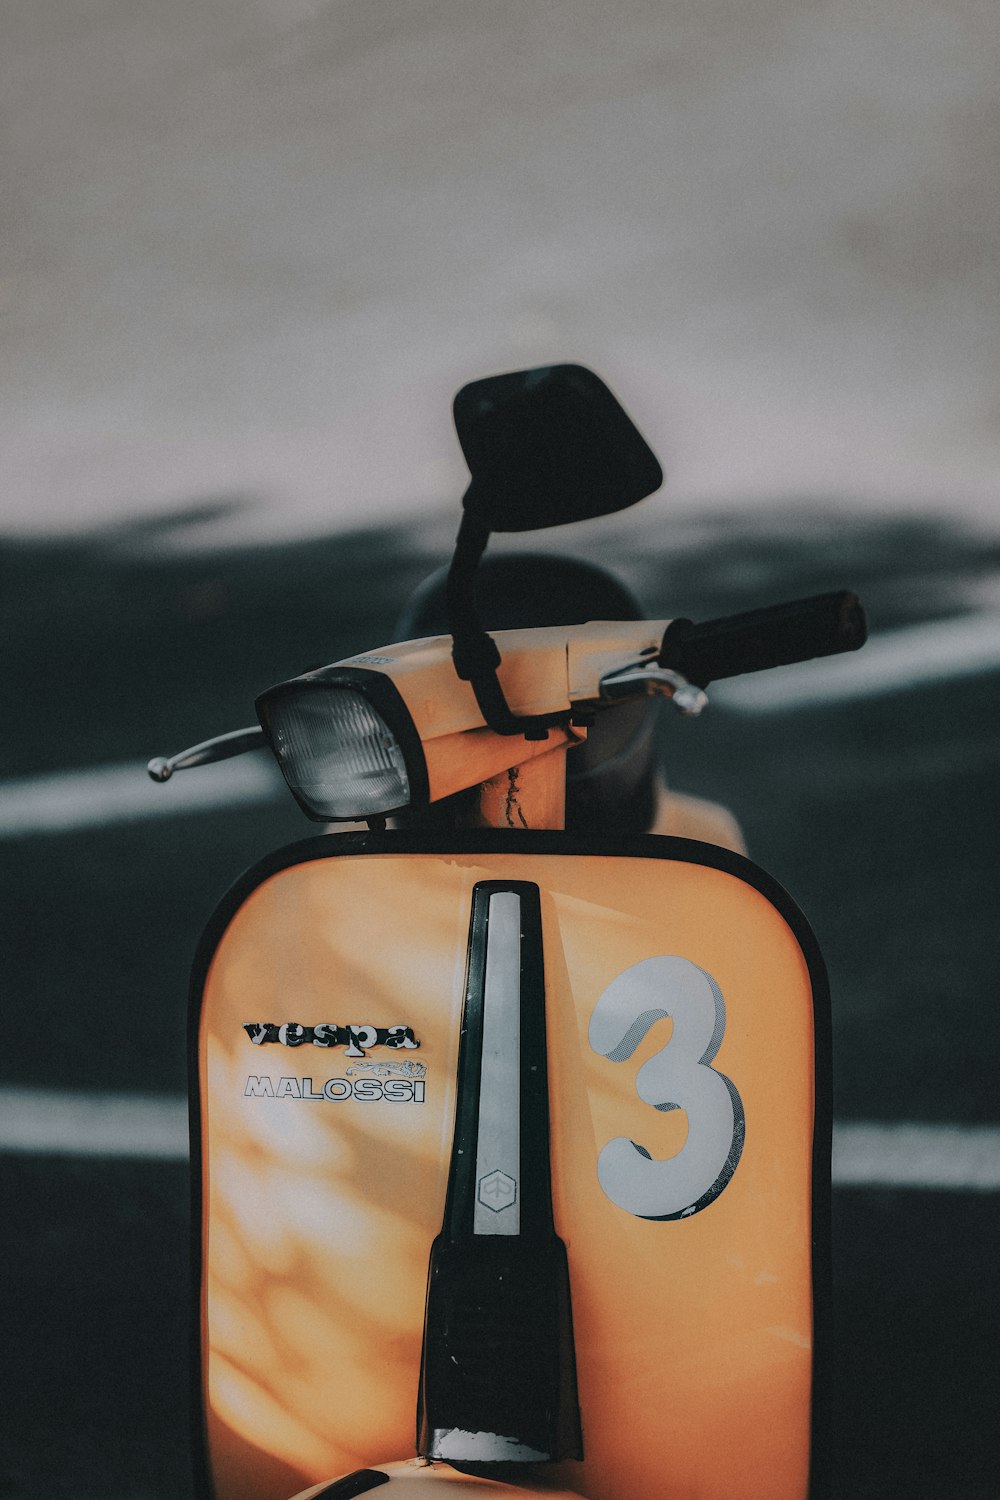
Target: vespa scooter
510	1130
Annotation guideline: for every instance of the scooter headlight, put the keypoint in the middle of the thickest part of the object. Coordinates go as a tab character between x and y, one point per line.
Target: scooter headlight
345	743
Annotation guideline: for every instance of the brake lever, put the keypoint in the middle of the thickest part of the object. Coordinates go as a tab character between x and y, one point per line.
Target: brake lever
649	679
222	747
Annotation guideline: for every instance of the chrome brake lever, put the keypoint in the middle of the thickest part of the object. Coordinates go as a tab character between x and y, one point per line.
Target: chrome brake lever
648	678
236	742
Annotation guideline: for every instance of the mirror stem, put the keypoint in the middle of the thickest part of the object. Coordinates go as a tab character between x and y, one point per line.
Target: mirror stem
473	651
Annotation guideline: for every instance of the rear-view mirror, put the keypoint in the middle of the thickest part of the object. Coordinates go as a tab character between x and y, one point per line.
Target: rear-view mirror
549	446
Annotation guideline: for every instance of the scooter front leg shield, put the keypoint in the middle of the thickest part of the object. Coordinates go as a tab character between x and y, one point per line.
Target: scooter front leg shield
357	1066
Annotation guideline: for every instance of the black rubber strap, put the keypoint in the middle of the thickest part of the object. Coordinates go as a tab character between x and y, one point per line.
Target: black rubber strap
474	652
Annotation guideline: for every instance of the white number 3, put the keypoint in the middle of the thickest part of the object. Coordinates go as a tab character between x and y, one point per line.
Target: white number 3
678	1077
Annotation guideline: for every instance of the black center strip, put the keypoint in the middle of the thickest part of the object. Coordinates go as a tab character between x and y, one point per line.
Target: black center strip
498	1377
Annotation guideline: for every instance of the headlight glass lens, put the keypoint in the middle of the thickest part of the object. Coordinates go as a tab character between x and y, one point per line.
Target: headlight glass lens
338	755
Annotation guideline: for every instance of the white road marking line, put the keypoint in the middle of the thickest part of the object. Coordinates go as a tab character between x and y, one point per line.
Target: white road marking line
67	801
962	1158
866	1154
917	656
47	1122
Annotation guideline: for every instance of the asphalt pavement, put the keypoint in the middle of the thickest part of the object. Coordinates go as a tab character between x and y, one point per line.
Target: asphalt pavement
879	814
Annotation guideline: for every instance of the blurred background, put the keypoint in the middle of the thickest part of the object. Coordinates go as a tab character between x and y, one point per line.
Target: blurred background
249	252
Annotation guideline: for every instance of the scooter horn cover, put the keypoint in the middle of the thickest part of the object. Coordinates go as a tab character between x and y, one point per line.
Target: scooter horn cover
429	1069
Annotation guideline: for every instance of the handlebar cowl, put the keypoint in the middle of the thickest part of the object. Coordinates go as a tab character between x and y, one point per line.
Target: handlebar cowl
800	630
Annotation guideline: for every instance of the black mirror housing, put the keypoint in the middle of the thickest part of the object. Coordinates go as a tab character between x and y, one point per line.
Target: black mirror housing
549	446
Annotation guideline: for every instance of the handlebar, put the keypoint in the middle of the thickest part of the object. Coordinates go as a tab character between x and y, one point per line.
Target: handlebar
822	625
689	658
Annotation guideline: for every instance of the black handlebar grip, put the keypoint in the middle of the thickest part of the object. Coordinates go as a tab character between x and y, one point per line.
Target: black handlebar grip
761	638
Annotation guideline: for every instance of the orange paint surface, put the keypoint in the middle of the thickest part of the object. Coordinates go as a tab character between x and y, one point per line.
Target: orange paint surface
692	1336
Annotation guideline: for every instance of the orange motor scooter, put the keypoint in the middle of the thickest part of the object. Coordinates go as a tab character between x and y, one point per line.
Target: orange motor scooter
511	1138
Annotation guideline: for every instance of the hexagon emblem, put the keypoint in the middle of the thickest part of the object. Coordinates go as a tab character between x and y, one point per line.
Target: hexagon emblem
497	1191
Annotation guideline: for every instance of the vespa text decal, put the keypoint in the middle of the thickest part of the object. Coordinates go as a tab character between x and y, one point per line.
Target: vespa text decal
355	1038
679	1076
401	1081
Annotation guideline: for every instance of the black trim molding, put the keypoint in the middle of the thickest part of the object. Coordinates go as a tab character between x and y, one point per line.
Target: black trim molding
498	1357
352	1485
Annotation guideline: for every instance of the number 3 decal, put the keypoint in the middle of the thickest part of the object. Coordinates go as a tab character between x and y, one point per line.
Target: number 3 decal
679	1076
